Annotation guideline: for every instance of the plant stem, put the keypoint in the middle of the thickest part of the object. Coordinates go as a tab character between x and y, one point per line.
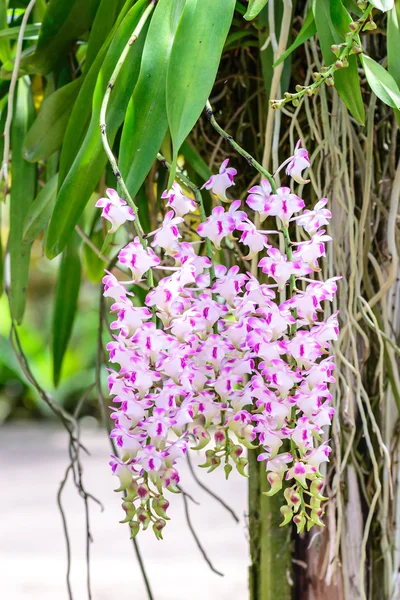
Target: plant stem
252	161
103	129
103	113
326	75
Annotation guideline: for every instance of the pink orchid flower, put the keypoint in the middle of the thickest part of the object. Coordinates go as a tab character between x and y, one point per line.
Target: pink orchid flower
259	197
138	259
177	200
219	183
115	210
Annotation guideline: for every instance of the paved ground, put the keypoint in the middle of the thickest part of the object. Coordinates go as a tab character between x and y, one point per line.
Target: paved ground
32	547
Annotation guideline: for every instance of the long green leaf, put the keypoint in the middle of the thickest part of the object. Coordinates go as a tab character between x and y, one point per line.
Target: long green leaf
340	17
308	29
383	5
94	266
22	194
47	132
81	112
91	159
66	300
5	53
102	24
146	120
254	8
13	32
194	62
346	80
393	42
393	45
39	211
63	22
195	161
382	83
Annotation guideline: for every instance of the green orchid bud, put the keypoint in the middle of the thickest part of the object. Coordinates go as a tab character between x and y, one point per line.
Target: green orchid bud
143	517
158	527
370	26
275	481
209	457
143	493
227	468
130	511
335	49
241	464
300	521
131	492
134	525
202	436
160	506
236	452
316	488
315	503
287	515
292	498
215	462
219	438
315	517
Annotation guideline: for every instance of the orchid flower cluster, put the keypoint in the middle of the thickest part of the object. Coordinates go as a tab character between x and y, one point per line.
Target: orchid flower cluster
219	359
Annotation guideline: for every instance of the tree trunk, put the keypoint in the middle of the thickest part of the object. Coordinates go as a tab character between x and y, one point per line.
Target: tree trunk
270	572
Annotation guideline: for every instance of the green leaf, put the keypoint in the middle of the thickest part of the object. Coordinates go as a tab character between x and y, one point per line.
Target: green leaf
254	8
195	161
382	83
146	120
22	194
393	45
5	53
383	5
13	32
94	266
340	17
39	211
63	23
194	62
306	32
81	112
346	80
102	24
66	300
90	161
47	132
393	42
352	5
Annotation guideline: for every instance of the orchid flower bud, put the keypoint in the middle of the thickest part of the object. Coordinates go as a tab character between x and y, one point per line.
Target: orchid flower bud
300	521
135	527
287	515
275	481
158	527
228	469
143	517
160	506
